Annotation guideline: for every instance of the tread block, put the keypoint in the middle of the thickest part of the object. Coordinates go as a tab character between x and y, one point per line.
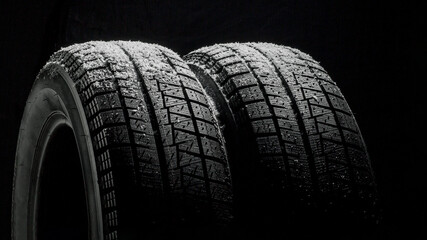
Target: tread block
182	137
250	94
212	148
106	118
202	112
102	102
196	96
358	158
221	193
268	145
192	146
208	129
263	126
185	158
216	171
258	110
195	169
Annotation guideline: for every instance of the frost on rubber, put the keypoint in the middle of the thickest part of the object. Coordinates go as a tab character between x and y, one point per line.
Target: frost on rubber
154	135
303	133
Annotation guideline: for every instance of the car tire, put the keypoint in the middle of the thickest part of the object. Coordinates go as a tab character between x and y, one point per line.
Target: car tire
129	123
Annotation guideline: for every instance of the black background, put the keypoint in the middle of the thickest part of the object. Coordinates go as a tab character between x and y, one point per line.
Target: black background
374	50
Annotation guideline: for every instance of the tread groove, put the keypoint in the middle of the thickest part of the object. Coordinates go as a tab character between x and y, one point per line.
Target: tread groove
196	130
300	121
154	123
274	119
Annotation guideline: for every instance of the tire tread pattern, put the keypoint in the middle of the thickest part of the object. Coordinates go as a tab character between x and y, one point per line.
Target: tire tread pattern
300	120
136	99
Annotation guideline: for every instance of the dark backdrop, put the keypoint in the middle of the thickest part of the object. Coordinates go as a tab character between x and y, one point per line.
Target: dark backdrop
374	50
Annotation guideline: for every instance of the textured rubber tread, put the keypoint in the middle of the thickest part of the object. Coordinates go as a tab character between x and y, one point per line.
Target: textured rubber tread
305	132
152	128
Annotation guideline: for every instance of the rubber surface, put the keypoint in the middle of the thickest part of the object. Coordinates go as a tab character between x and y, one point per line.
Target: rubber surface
295	126
157	145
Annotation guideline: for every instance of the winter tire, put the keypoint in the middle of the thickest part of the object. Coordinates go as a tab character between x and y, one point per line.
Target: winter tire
293	140
124	130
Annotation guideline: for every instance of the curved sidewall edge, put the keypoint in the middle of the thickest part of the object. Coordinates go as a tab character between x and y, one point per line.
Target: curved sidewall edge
53	102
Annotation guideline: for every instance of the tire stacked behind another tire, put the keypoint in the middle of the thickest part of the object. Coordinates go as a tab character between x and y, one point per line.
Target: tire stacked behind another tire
295	127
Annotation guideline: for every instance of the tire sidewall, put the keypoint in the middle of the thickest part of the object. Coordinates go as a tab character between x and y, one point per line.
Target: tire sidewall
53	103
